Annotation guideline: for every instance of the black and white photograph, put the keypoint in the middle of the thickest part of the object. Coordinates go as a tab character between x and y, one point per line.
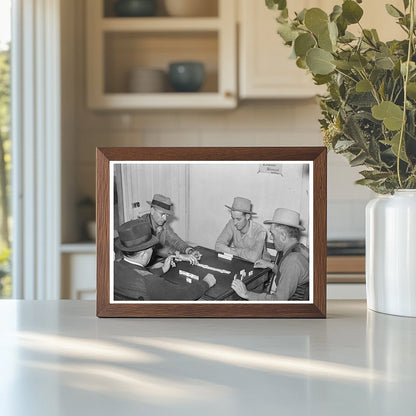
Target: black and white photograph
210	231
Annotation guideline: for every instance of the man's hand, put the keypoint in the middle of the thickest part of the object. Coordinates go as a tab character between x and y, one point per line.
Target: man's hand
263	264
168	263
193	252
186	257
210	279
240	288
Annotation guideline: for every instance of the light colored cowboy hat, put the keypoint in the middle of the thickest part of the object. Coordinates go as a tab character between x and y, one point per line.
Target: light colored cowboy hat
286	217
242	205
135	235
163	203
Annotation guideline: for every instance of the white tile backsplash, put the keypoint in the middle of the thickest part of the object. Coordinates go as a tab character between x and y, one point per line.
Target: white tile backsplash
346	219
257	123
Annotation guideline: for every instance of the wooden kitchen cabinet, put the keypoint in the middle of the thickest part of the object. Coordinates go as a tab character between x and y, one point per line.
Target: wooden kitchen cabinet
265	70
117	45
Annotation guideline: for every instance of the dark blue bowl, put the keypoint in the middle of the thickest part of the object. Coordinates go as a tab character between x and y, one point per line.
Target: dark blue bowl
135	8
186	76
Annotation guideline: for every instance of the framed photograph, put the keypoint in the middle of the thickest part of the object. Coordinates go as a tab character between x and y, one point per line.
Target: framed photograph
211	232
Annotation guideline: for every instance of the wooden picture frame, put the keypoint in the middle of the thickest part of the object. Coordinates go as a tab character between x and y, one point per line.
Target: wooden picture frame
244	158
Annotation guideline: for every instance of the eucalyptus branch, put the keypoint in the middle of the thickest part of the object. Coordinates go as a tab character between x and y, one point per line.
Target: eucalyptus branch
373	88
405	81
346	75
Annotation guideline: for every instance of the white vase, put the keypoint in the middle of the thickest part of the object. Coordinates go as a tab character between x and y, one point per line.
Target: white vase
391	253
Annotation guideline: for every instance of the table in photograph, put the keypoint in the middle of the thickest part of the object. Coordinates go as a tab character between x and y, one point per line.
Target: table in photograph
58	359
253	279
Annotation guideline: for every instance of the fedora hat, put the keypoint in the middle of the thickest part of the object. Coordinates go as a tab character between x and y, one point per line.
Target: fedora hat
135	235
163	203
242	205
286	217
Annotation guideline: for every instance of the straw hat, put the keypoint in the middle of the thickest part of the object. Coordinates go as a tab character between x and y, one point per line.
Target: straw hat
242	205
286	217
163	203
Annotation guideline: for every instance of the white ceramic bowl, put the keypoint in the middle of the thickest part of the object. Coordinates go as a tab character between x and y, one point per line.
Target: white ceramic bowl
191	8
147	80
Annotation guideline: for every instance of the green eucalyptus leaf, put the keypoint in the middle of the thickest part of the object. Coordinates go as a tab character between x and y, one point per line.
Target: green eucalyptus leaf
358	160
301	15
412	67
345	65
405	21
325	42
343	145
342	25
333	32
351	11
316	20
281	19
374	150
391	114
363	86
358	61
384	62
321	79
368	36
393	11
347	37
374	174
411	90
394	143
375	35
319	61
301	63
382	89
292	52
287	33
276	4
336	12
303	43
353	131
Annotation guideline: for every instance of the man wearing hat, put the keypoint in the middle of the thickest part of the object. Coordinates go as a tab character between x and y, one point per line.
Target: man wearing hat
291	275
241	236
133	281
161	207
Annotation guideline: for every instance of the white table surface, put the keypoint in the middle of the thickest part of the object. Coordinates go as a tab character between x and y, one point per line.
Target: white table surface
57	358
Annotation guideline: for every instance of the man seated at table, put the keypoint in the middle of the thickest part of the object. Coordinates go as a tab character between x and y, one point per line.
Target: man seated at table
133	281
242	236
291	275
161	208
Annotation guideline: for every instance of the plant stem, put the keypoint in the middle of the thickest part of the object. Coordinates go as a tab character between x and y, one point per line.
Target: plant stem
405	81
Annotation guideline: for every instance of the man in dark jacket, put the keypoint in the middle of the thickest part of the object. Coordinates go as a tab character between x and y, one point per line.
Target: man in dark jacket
133	281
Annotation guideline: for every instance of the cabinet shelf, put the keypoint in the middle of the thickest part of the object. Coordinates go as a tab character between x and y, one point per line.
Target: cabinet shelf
160	24
196	100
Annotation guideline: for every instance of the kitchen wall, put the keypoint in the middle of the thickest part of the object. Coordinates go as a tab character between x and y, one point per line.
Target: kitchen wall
253	123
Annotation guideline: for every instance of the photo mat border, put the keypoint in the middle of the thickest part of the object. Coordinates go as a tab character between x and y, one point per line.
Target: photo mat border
314	309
